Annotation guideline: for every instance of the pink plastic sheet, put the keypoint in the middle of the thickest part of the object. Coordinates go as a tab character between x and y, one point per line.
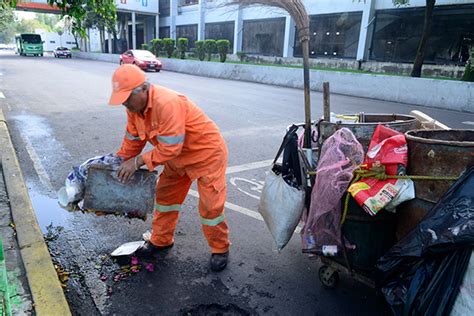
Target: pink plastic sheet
341	154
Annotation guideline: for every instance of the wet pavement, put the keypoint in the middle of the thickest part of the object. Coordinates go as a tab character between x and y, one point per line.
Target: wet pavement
58	118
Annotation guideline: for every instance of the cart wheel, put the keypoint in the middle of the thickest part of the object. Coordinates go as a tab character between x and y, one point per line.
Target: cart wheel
328	277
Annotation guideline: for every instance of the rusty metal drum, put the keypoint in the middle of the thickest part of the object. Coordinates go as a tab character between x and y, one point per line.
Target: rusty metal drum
364	130
444	153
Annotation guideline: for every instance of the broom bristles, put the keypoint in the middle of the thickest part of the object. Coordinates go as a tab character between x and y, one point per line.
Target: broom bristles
295	8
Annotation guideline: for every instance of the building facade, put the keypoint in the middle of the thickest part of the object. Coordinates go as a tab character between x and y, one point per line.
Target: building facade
344	29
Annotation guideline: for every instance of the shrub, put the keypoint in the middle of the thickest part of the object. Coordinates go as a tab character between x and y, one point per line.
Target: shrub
156	46
200	50
242	56
223	49
210	48
168	46
468	73
182	47
145	46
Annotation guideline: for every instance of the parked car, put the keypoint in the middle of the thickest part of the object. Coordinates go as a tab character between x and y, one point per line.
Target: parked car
142	58
62	52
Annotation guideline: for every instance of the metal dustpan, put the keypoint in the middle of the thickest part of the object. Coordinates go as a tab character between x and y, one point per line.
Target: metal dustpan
105	193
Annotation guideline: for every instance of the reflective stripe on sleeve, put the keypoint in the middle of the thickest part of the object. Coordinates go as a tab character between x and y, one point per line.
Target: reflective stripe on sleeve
171	140
213	222
167	208
131	137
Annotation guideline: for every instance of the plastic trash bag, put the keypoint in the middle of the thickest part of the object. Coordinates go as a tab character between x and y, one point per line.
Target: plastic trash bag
341	154
464	304
73	190
282	198
281	206
422	273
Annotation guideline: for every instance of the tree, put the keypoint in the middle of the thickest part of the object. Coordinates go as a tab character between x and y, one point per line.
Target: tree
157	45
425	35
92	20
469	72
168	46
200	51
77	11
210	48
6	15
182	47
50	20
223	49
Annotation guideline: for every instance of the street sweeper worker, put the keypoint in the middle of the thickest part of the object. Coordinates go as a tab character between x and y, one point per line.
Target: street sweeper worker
190	147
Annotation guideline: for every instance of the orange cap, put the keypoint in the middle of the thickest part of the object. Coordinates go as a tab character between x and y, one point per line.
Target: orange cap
126	78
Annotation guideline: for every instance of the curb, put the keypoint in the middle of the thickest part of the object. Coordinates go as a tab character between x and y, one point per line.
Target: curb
46	290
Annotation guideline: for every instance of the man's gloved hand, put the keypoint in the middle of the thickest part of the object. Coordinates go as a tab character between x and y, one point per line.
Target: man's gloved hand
128	168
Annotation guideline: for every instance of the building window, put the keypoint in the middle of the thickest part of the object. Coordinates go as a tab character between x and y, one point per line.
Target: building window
189	32
164	8
222	30
397	34
264	37
332	35
165	32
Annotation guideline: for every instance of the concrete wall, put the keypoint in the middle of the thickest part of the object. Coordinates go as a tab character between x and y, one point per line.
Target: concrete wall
110	58
444	94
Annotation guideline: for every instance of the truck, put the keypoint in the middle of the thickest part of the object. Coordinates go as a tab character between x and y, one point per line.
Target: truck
29	44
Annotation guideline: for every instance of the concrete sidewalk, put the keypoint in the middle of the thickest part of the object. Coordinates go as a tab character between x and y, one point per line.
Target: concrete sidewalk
33	284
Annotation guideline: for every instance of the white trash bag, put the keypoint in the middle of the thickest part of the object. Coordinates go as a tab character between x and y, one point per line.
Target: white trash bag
282	199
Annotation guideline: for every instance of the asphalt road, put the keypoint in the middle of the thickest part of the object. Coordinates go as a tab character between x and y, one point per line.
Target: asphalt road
58	114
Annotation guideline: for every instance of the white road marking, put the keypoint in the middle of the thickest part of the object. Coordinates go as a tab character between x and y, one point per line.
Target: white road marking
2	96
255	186
234	207
241	210
468	123
249	166
40	170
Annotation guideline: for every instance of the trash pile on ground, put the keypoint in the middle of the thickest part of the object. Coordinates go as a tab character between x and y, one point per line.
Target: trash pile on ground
358	199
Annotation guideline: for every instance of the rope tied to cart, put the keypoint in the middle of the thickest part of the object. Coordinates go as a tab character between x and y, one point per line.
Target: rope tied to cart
381	175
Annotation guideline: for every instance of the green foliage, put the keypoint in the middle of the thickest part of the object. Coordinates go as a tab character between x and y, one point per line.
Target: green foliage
168	46
18	26
50	20
156	46
223	49
145	46
182	47
200	50
210	48
6	15
468	73
242	56
104	14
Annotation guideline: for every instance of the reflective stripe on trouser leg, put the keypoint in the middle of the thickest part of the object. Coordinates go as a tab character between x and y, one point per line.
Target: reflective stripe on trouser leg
171	191
211	209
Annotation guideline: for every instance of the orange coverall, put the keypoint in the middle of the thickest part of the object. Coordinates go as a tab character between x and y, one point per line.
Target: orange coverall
190	147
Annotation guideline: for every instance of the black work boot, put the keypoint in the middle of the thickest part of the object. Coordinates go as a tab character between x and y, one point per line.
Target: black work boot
148	250
219	261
